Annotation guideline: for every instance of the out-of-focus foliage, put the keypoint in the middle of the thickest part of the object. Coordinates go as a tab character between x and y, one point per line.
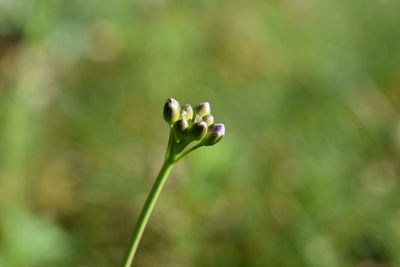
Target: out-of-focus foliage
307	175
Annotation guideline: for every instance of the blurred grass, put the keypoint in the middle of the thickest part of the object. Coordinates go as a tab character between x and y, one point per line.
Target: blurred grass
308	174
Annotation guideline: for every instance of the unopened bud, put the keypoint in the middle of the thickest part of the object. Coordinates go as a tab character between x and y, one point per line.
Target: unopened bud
198	130
215	133
197	119
202	109
183	115
180	128
188	110
209	119
171	111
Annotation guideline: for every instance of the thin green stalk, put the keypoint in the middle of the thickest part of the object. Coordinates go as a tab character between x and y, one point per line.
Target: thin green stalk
188	151
171	141
146	211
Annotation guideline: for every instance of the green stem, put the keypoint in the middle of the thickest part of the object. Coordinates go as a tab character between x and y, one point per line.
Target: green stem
170	145
146	211
188	151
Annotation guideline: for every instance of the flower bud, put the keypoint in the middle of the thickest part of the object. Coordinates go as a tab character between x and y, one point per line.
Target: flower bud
188	110
180	128
198	130
197	119
183	115
215	133
171	111
202	109
209	119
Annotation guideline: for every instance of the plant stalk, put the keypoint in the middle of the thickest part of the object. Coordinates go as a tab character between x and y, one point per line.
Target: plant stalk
146	212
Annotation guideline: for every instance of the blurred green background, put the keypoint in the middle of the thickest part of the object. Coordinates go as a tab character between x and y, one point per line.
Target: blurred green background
307	175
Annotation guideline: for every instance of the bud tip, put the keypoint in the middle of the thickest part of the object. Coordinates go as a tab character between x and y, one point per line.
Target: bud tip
203	109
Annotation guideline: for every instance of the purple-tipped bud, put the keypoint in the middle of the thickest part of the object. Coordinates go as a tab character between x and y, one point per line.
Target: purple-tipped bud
202	109
180	128
209	119
188	110
171	111
215	133
197	119
198	130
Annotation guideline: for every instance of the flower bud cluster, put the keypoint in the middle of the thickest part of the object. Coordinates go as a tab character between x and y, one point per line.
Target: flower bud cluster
192	124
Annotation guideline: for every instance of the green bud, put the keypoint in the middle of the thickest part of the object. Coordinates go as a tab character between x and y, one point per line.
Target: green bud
202	109
188	110
198	130
209	119
183	115
180	128
215	133
171	111
197	119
